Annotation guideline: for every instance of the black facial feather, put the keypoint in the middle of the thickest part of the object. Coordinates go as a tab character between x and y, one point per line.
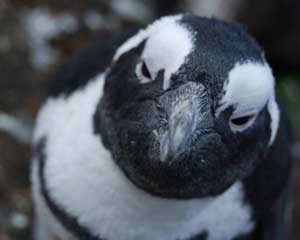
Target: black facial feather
135	117
221	45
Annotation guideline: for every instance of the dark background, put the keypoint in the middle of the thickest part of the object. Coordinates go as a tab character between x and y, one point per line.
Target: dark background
37	36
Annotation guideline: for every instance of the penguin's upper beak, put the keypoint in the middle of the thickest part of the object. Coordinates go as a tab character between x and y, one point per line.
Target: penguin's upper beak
180	129
186	108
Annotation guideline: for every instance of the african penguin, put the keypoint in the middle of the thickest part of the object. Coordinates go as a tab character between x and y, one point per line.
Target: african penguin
173	134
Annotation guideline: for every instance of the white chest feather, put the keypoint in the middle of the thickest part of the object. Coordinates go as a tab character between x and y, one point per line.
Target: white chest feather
83	179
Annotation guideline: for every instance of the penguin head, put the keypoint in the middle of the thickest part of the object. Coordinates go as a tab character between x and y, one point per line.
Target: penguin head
189	107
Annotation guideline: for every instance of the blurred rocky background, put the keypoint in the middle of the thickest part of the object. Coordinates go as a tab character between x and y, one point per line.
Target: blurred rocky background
37	36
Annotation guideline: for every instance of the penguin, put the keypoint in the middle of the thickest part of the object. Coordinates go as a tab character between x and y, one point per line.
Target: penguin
171	133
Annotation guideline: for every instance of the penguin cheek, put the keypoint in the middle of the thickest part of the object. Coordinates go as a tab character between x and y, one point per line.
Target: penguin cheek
214	167
138	147
137	157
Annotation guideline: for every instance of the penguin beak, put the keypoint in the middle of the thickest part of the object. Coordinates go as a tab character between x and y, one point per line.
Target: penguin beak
186	107
181	125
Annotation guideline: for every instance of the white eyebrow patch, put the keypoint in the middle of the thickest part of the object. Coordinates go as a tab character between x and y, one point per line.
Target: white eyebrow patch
167	46
249	88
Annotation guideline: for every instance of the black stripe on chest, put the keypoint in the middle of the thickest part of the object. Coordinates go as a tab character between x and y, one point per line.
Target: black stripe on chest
67	220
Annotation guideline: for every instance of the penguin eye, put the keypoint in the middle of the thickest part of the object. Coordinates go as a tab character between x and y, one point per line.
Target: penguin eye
145	70
242	122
